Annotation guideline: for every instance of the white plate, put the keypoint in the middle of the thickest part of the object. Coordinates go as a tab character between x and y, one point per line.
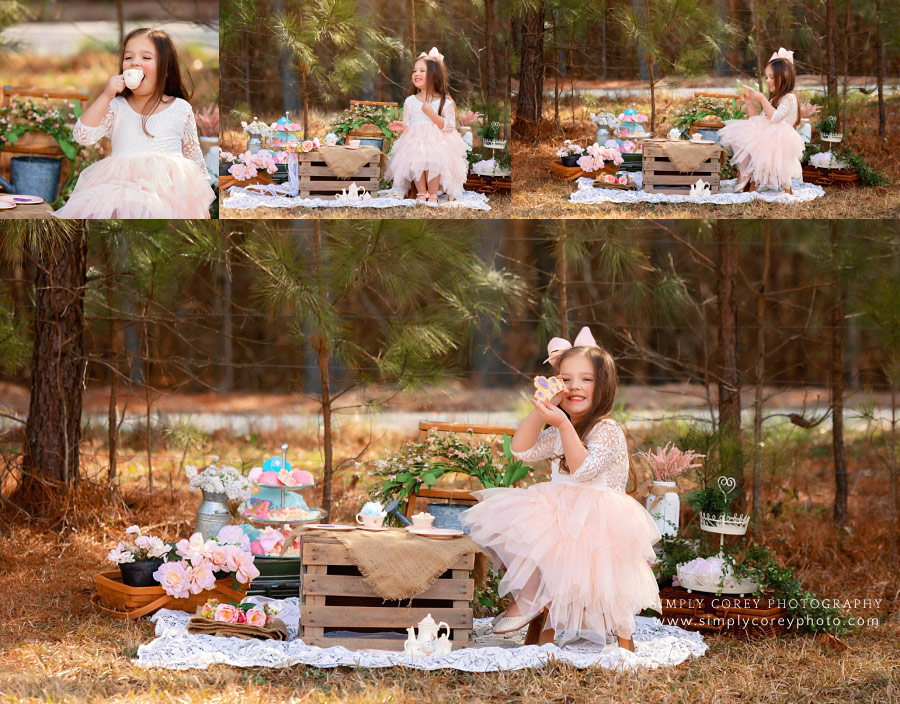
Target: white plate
23	200
330	526
6	204
439	533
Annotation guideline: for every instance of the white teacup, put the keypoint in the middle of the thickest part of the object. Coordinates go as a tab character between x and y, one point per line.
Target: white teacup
422	520
370	521
133	77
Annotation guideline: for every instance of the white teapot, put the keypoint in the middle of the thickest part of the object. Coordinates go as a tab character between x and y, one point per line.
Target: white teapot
427	641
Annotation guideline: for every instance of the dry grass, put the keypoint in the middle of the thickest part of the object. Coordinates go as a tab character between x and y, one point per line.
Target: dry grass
54	648
537	195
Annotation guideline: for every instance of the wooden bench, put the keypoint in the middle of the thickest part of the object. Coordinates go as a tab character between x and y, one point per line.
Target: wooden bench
338	607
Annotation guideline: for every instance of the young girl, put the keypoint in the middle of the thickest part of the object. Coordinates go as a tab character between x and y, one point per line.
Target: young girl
156	168
577	545
767	148
429	151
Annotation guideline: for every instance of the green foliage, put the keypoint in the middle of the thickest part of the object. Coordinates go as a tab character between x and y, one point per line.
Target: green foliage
30	115
356	116
708	500
676	551
699	108
724	453
760	565
331	46
487	600
15	347
869	176
423	464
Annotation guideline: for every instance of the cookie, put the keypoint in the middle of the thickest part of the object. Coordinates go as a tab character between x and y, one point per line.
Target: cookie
545	389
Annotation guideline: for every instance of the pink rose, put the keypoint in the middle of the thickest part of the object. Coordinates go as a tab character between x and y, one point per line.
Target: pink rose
226	613
194	549
256	617
202	577
175	578
246	570
232	555
241	618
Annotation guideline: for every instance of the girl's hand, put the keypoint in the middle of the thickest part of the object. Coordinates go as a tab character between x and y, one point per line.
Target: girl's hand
396	126
550	414
114	86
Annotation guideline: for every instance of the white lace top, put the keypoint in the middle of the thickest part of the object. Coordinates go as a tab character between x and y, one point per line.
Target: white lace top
413	115
787	110
173	128
605	467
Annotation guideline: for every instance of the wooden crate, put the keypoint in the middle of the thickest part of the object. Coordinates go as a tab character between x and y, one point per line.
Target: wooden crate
488	184
744	617
338	607
830	177
661	176
318	181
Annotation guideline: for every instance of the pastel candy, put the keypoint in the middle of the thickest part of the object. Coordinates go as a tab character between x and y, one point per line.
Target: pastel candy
302	477
545	389
268	478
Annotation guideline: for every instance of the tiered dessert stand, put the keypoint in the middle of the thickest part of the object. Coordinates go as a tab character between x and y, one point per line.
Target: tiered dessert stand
723	525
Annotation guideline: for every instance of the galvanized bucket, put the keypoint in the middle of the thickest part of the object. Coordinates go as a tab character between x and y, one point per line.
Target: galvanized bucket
36	176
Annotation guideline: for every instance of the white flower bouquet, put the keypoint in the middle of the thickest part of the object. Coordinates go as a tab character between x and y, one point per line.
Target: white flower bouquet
137	548
220	480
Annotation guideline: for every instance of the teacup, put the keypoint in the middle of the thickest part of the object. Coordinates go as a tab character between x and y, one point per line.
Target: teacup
353	144
369	520
423	520
133	77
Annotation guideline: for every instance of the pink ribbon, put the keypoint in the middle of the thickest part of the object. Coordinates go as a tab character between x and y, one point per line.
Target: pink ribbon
783	53
558	345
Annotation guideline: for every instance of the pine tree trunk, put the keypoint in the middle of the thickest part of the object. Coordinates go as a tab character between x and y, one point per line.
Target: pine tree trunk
562	278
760	67
729	384
489	47
837	395
830	58
760	380
322	353
53	428
113	412
412	27
879	69
531	73
227	383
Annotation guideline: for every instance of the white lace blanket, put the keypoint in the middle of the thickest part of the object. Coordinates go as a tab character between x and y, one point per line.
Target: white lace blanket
242	199
175	649
802	192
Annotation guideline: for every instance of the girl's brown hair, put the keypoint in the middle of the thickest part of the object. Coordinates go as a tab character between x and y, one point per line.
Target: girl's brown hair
606	384
785	78
168	71
436	80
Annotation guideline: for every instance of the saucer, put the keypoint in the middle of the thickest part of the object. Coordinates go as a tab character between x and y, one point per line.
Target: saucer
436	533
22	200
373	528
6	204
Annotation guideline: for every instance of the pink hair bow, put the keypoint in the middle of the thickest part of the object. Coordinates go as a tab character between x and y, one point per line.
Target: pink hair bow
558	345
433	54
783	53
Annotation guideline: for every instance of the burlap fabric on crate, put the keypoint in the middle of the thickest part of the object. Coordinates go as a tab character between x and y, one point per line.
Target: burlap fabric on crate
345	162
399	565
203	626
687	156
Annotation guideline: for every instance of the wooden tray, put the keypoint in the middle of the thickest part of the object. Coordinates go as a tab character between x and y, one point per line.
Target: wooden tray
615	186
121	601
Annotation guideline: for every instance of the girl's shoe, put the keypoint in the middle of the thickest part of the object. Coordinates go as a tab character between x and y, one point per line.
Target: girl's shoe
509	624
432	199
741	185
421	197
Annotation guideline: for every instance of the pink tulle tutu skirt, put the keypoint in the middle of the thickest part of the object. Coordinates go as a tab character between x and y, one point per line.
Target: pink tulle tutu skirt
767	151
424	148
147	186
583	552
